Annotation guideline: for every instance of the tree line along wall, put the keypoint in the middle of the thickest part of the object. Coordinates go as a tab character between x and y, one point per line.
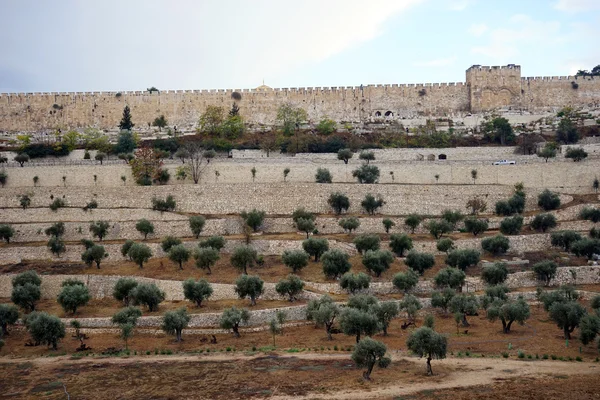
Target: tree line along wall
485	89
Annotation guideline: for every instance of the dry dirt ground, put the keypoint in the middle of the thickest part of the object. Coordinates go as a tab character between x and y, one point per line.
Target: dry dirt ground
283	377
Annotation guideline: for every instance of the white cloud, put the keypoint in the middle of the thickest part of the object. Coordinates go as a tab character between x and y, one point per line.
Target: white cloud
478	29
439	62
577	5
460	5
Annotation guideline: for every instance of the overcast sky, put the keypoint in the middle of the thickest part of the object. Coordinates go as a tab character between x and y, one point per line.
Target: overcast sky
80	45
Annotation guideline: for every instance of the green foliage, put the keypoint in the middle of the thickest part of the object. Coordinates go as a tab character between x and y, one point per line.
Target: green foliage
56	246
169	242
463	258
295	259
206	257
291	287
566	131
9	315
498	130
24	201
243	257
123	288
22	158
147	294
323	312
549	151
197	225
496	245
126	123
326	126
511	225
543	222
301	213
576	154
476	226
160	122
45	329
353	283
349	224
567	316
249	286
366	242
366	174
548	200
425	342
29	276
400	243
465	305
419	262
545	270
370	204
385	312
232	318
323	176
344	155
174	322
590	214
57	203
514	205
476	205
589	328
494	274
357	322
26	295
72	297
586	247
197	291
168	204
494	294
405	281
99	229
139	253
563	294
210	121
411	305
144	227
56	230
452	278
3	177
369	352
179	254
125	248
388	224
315	247
339	202
367	156
91	205
290	118
335	263
6	232
94	254
127	315
565	239
508	312
453	217
439	228
445	245
377	261
442	299
254	219
215	242
305	225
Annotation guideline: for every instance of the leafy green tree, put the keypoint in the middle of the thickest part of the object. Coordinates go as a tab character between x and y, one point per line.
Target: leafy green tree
499	130
145	227
24	201
87	244
452	278
56	246
495	293
28	276
122	290
211	120
369	352
140	253
290	118
127	315
366	156
286	172
349	224
465	305
576	154
174	322
494	274
197	225
437	229
233	127
366	242
419	262
590	214
446	245
564	239
589	328
545	270
442	299
353	283
249	286
57	230
94	254
6	232
370	204
243	257
215	242
301	213
388	224
567	316
564	294
358	322
125	248
385	312
126	123
344	155
71	282
295	259
453	217
126	142
549	151
548	200
496	245
366	174
543	222
206	257
291	287
9	315
566	131
323	312
168	204
148	294
323	176
72	297
232	318
179	254
197	291
411	305
511	225
45	328
168	242
305	225
508	312
463	258
335	263
405	281
476	226
254	219
377	261
160	122
21	158
425	342
315	247
339	202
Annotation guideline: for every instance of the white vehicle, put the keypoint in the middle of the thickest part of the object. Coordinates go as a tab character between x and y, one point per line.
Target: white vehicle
505	162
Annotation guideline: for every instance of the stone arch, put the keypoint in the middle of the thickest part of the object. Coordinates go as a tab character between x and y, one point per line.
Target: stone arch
442	157
389	114
431	157
378	113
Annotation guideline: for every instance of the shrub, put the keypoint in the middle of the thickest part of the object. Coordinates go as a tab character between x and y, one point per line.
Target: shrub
6	232
215	242
197	291
315	247
335	263
369	352
197	225
144	227
45	329
122	290
494	274
168	204
339	202
405	281
545	270
463	258
366	242
452	278
388	224
413	221
590	214
323	176
439	228
366	156
206	257
56	230
370	204
476	226
243	257
344	155
92	205
349	224
24	201
291	287
366	174
445	245
548	200
511	225
9	315
169	242
147	294
254	219
94	254
56	245
57	203
249	286
498	244
174	322
377	261
419	262
22	158
301	213
564	239
400	243
295	259
452	217
3	177
139	253
232	318
543	222
99	229
576	154
72	297
586	247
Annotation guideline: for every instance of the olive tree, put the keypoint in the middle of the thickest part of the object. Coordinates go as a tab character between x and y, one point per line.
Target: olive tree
495	245
377	261
122	290
508	312
425	342
511	225
450	277
567	316
26	296
548	200
243	257
369	352
323	312
197	225
564	239
339	202
464	305
405	281
411	305
437	229
385	312
127	315
545	270
476	226
140	253
323	176
232	318
254	219
197	291
445	245
357	322
441	299
366	242
388	224
335	263
215	242
169	242
400	243
249	286
72	297
353	283
295	259
291	287
99	229
305	225
148	294
419	262
366	174
45	328
6	232
56	245
543	222
344	155
315	247
413	221
144	227
370	204
9	315
349	224
206	257
94	254
179	254
494	274
174	322
125	248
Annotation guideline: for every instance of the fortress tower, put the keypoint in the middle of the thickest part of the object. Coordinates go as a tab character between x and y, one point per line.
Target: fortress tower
490	88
